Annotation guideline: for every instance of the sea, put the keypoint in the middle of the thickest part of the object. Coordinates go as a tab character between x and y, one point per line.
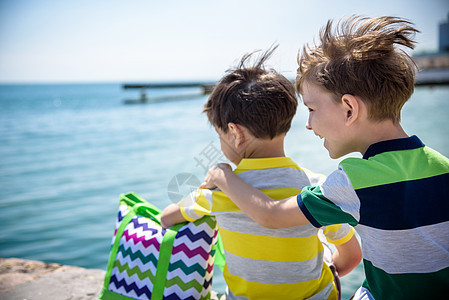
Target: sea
67	152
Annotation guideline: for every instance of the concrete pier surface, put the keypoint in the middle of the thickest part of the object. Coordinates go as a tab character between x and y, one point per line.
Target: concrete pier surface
22	279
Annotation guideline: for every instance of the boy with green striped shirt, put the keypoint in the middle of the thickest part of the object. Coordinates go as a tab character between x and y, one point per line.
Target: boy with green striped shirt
397	195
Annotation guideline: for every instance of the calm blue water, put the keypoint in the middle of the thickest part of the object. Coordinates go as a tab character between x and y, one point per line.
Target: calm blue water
68	151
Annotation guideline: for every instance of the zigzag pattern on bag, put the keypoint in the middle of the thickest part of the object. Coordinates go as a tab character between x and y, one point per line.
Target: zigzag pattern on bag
144	224
183	250
137	255
191	264
130	290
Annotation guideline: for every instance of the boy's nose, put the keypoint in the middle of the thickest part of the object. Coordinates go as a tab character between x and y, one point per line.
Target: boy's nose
308	125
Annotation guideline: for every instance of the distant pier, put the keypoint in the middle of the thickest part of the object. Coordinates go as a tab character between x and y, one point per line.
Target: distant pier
433	70
206	87
432	77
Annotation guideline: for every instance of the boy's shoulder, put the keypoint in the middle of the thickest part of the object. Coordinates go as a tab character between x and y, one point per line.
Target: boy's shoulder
248	164
270	163
436	157
394	166
276	170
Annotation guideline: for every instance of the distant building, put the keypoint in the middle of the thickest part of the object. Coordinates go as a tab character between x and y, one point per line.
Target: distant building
434	67
440	59
444	37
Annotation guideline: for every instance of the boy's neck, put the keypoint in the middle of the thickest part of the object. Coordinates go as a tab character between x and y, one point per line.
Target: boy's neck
381	131
265	148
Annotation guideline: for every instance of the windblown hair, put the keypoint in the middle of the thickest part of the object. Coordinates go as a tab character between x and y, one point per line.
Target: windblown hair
361	57
263	101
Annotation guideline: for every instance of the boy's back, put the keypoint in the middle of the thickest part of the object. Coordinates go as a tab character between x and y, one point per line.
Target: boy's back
265	263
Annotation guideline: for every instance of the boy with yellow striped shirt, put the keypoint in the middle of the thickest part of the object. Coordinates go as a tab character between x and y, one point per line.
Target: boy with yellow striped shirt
252	110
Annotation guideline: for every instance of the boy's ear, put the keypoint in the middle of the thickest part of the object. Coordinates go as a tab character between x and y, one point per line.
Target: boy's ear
351	108
238	134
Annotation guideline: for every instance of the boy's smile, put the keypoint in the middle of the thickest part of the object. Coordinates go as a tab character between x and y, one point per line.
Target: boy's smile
326	118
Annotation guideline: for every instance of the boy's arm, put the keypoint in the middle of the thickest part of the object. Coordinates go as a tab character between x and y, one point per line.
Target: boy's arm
258	206
347	256
171	215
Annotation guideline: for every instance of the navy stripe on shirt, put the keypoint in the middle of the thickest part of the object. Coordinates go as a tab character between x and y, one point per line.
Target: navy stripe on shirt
407	143
306	212
410	204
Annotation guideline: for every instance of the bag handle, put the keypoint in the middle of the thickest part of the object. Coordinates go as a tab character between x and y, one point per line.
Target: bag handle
163	262
149	211
139	204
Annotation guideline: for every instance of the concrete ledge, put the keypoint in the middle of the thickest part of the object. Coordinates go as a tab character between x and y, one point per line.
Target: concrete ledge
35	280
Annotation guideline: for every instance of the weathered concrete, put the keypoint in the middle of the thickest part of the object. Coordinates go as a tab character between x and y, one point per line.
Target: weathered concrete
35	280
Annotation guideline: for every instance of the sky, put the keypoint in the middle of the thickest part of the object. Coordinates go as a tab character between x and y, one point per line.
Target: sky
82	41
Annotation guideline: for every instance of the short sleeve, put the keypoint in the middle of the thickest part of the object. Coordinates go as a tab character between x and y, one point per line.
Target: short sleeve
338	234
196	205
332	202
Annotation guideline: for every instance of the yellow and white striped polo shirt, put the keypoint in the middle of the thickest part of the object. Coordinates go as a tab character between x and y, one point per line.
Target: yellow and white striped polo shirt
266	263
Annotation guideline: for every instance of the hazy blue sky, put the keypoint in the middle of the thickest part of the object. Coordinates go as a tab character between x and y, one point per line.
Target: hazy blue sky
84	41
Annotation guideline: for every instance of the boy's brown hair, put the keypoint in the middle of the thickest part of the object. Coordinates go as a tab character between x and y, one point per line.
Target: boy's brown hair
262	101
360	58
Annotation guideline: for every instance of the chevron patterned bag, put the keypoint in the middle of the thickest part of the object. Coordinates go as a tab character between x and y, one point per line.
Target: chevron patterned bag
150	262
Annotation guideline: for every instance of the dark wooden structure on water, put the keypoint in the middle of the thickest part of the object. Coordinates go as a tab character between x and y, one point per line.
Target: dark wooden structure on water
206	87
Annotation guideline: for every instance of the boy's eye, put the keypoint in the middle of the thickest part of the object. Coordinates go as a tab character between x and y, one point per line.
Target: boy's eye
310	109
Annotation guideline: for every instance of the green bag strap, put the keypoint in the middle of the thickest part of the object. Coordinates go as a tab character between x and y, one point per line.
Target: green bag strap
163	262
116	245
219	259
147	209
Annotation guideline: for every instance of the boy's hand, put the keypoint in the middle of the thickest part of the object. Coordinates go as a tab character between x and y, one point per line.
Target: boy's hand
215	173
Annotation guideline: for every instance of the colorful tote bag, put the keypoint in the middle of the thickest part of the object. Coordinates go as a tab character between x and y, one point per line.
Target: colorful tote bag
150	262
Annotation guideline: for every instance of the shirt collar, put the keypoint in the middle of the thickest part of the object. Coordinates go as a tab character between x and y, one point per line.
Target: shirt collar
265	163
408	143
